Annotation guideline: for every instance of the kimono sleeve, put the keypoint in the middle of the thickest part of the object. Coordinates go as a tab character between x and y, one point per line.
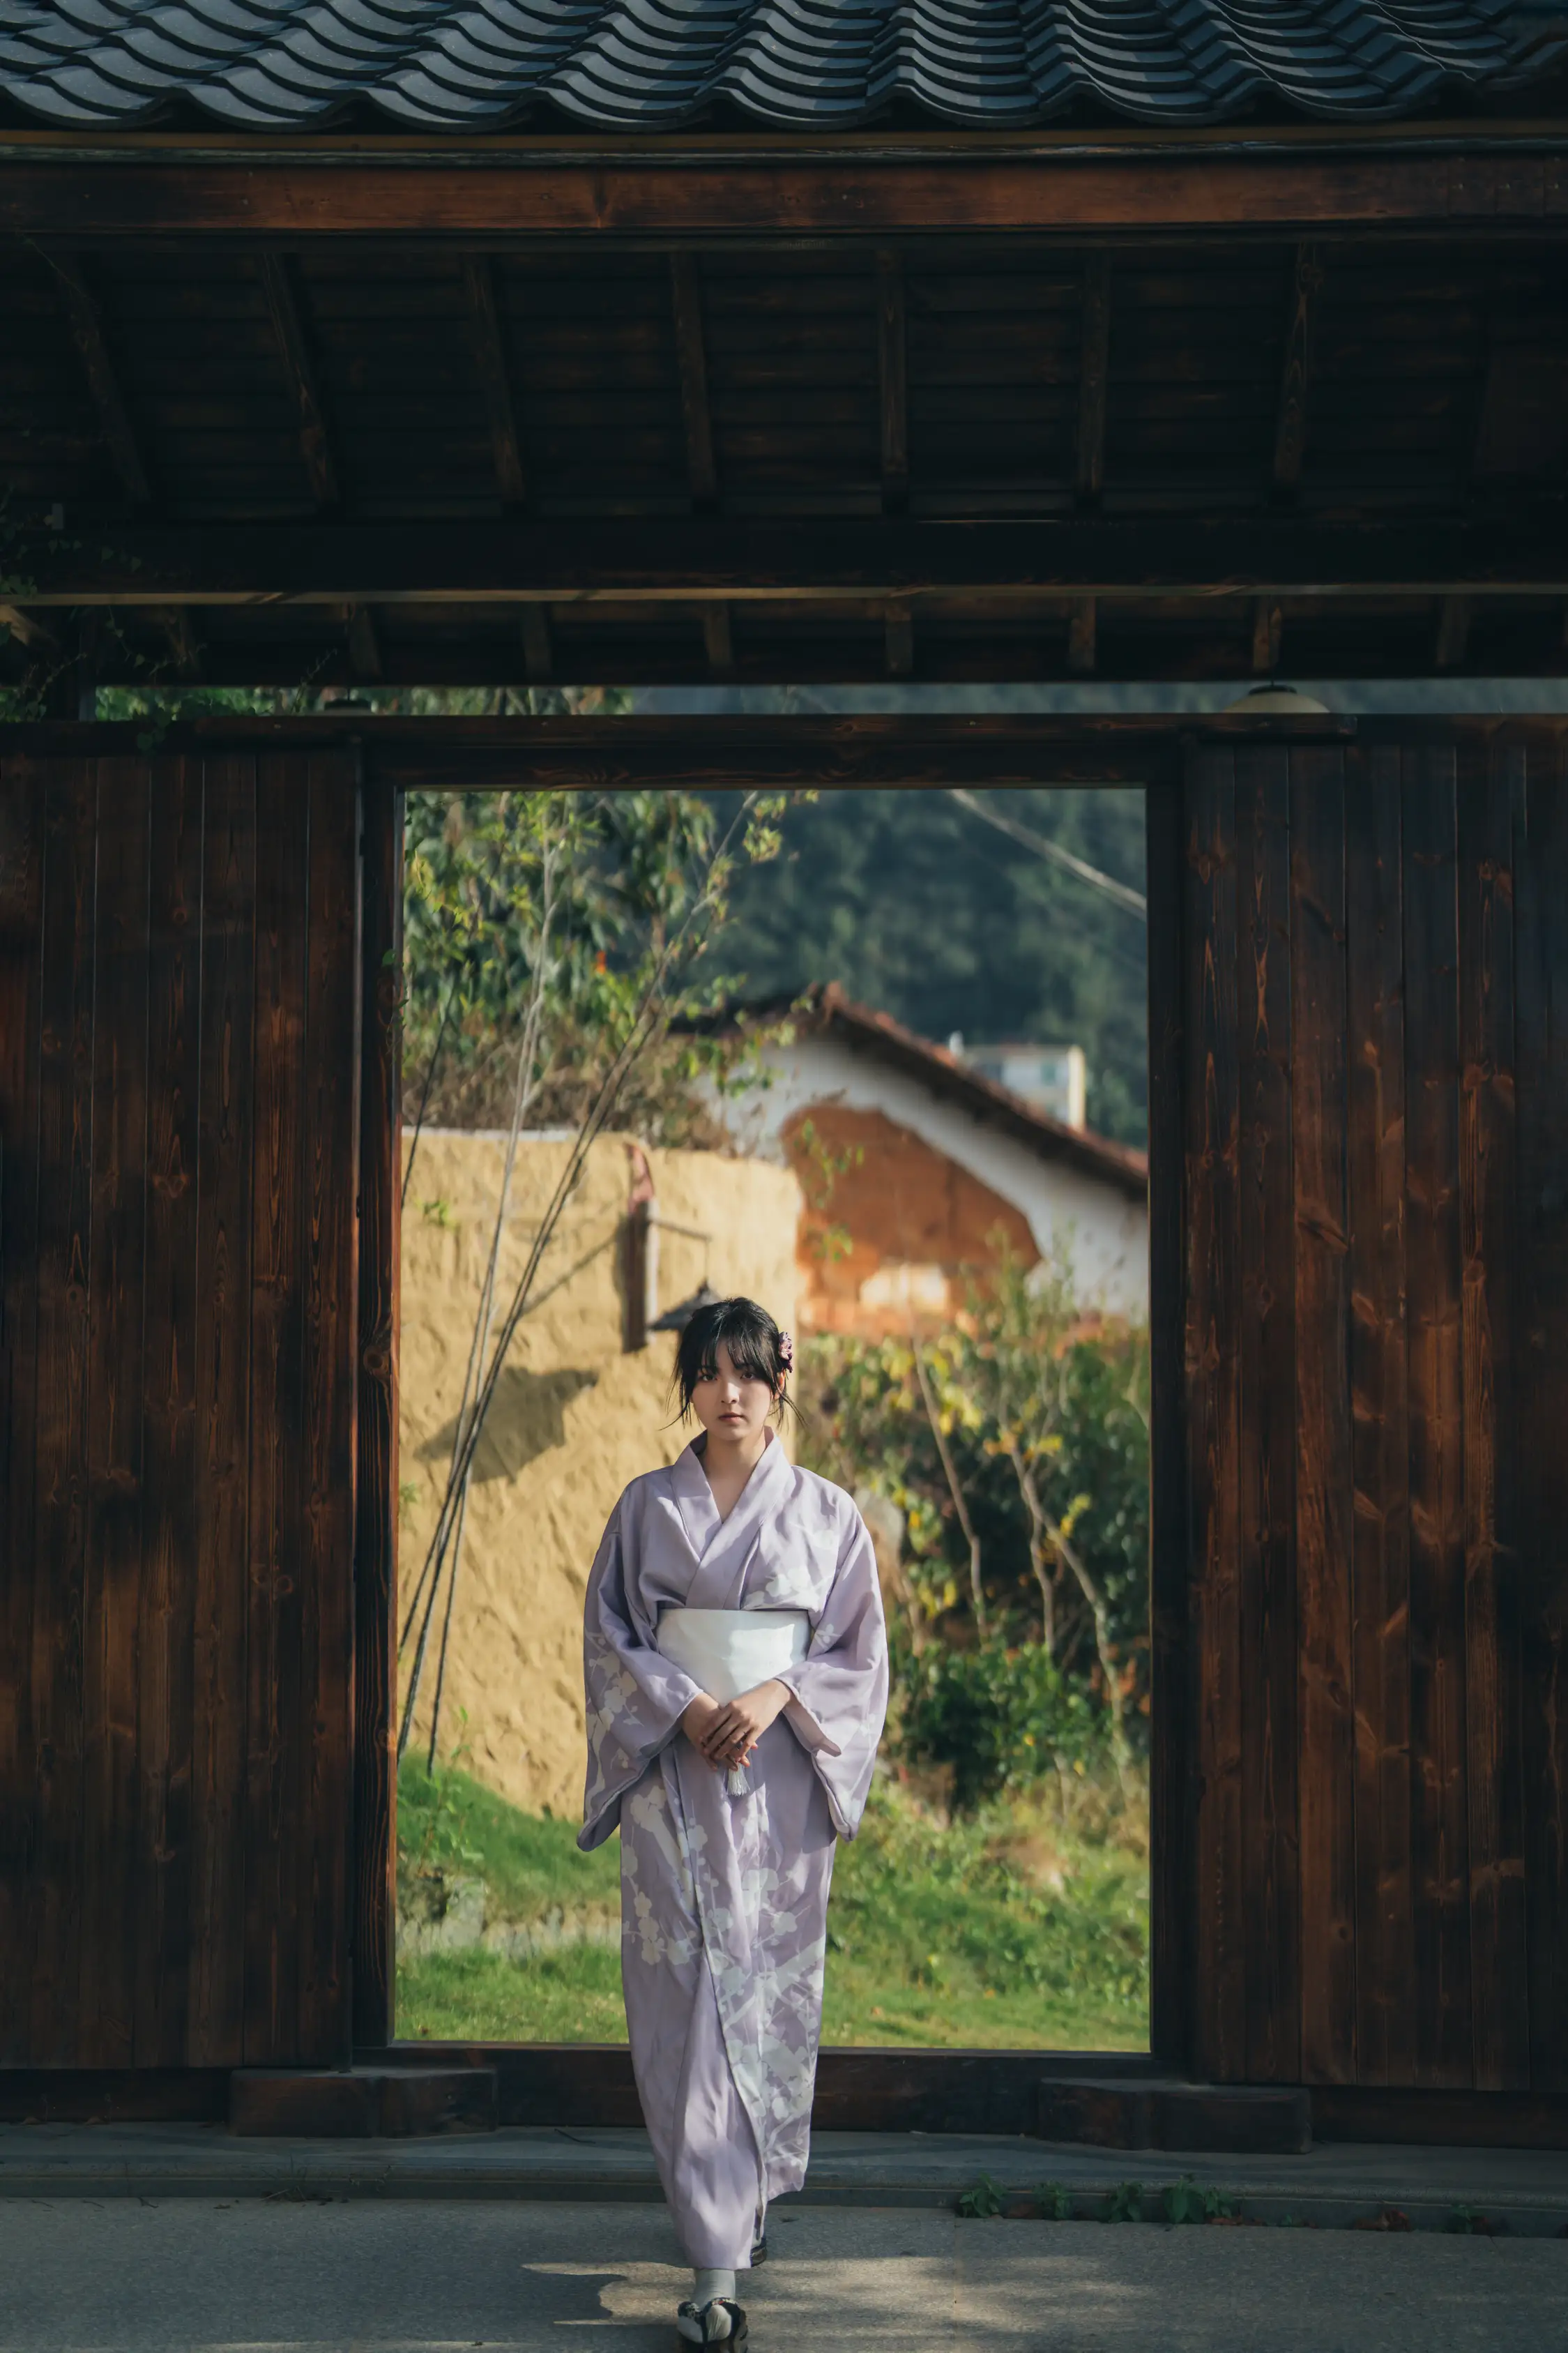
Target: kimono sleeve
635	1697
841	1686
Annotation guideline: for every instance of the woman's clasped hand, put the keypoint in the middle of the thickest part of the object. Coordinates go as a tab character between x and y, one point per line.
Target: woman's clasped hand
726	1732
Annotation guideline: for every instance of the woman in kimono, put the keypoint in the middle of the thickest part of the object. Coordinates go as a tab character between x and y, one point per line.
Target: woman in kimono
736	1661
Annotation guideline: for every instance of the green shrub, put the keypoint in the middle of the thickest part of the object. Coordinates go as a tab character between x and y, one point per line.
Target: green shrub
1001	1716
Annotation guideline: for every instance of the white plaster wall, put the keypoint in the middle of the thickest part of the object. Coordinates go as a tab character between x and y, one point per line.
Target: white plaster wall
1067	1212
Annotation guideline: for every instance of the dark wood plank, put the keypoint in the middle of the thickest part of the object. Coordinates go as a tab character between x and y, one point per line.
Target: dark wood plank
893	377
296	351
495	381
324	1727
375	1484
1094	379
1492	783
1326	1768
65	1238
1439	1843
276	1797
169	1527
1295	375
22	813
111	1608
1541	1046
1268	1444
1212	1333
85	315
1170	1789
1380	1534
691	359
222	1382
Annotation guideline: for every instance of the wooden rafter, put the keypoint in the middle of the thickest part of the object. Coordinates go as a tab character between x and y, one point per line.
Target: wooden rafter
899	640
892	377
1081	633
364	646
1267	636
1093	379
718	639
495	379
280	281
692	357
86	319
1295	375
28	630
653	560
1452	643
538	645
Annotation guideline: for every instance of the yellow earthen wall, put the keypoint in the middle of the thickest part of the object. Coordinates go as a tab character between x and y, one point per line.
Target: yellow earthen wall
575	1419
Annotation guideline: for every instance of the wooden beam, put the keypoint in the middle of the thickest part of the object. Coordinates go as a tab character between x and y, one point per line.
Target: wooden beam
538	645
1261	182
899	631
28	630
691	358
892	377
1295	375
653	560
719	639
1081	627
86	321
1267	631
1093	379
495	380
1453	638
278	279
364	647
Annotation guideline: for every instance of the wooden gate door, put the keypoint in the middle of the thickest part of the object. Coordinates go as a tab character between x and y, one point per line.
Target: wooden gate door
1375	1013
179	1001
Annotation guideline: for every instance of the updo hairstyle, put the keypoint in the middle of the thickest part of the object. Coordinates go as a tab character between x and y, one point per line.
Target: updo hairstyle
758	1349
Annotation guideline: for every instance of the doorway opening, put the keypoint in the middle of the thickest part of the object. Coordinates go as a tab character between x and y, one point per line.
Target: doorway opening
879	1060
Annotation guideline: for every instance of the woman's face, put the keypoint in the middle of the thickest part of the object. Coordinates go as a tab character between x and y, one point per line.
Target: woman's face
731	1408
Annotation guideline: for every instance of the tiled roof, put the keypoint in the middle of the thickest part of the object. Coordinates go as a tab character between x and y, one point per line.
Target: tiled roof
811	64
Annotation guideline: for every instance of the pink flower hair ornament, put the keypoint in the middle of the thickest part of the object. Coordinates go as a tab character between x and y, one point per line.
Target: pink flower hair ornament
786	1353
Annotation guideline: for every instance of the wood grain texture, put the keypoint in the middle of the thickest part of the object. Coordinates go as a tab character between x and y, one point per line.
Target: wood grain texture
1492	783
112	1598
221	1476
1540	1046
892	378
1327	1760
1439	1829
64	1356
691	360
22	830
1093	379
1270	1861
375	1490
166	1698
1295	374
324	1729
495	379
1213	1330
275	1796
1170	1758
1380	1565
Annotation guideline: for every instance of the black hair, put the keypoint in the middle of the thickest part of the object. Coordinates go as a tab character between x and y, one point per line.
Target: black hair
753	1339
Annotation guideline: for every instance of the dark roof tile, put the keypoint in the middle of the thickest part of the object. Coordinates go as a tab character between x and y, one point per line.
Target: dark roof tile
647	64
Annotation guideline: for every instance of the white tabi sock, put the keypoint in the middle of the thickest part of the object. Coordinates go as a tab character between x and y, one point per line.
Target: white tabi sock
709	2285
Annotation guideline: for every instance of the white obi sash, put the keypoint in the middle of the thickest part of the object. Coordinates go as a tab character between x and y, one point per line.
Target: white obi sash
731	1651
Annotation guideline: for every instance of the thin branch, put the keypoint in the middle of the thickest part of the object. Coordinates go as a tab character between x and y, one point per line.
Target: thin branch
954	1488
429	1081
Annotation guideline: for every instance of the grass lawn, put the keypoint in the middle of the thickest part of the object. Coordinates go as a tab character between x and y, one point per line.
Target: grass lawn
1010	1931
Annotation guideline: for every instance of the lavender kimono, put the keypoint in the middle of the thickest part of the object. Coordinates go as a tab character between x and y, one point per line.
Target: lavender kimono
724	1898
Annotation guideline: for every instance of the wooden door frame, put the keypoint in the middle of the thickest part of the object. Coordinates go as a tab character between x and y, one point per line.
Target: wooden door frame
576	755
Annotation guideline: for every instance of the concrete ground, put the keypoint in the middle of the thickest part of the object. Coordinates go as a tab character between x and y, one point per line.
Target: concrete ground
284	2274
